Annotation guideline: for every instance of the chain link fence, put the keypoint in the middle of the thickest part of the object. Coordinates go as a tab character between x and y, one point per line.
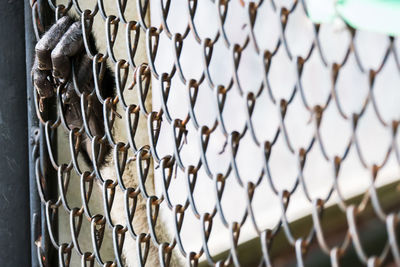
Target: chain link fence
227	123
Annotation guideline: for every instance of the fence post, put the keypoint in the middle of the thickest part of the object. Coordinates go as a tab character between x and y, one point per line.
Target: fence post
40	242
32	122
14	178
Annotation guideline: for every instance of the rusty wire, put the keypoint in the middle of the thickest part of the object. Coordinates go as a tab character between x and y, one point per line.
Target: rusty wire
171	164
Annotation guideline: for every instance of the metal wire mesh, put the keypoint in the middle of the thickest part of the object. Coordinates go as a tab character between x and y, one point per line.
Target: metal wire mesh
254	109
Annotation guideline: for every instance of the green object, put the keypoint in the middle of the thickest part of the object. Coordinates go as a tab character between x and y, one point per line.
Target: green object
381	16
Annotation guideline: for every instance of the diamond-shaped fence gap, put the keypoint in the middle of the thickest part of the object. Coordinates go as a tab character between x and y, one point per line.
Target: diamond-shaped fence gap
333	225
134	93
389	172
191	52
316	88
317	174
298	205
177	106
385	90
351	87
281	75
218	153
164	148
219	240
109	9
84	238
353	177
234	119
220	66
249	65
205	20
98	32
204	186
299	33
119	47
282	166
205	107
191	227
190	148
177	17
299	124
372	224
233	194
373	139
62	137
371	48
178	195
233	30
266	27
73	186
135	32
335	132
265	199
267	118
335	41
131	12
104	250
248	155
163	53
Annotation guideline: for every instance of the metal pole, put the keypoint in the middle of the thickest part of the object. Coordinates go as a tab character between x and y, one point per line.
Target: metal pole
39	234
32	122
14	176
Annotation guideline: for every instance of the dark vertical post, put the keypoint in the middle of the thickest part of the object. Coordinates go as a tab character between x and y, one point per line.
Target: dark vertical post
14	177
37	143
32	122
